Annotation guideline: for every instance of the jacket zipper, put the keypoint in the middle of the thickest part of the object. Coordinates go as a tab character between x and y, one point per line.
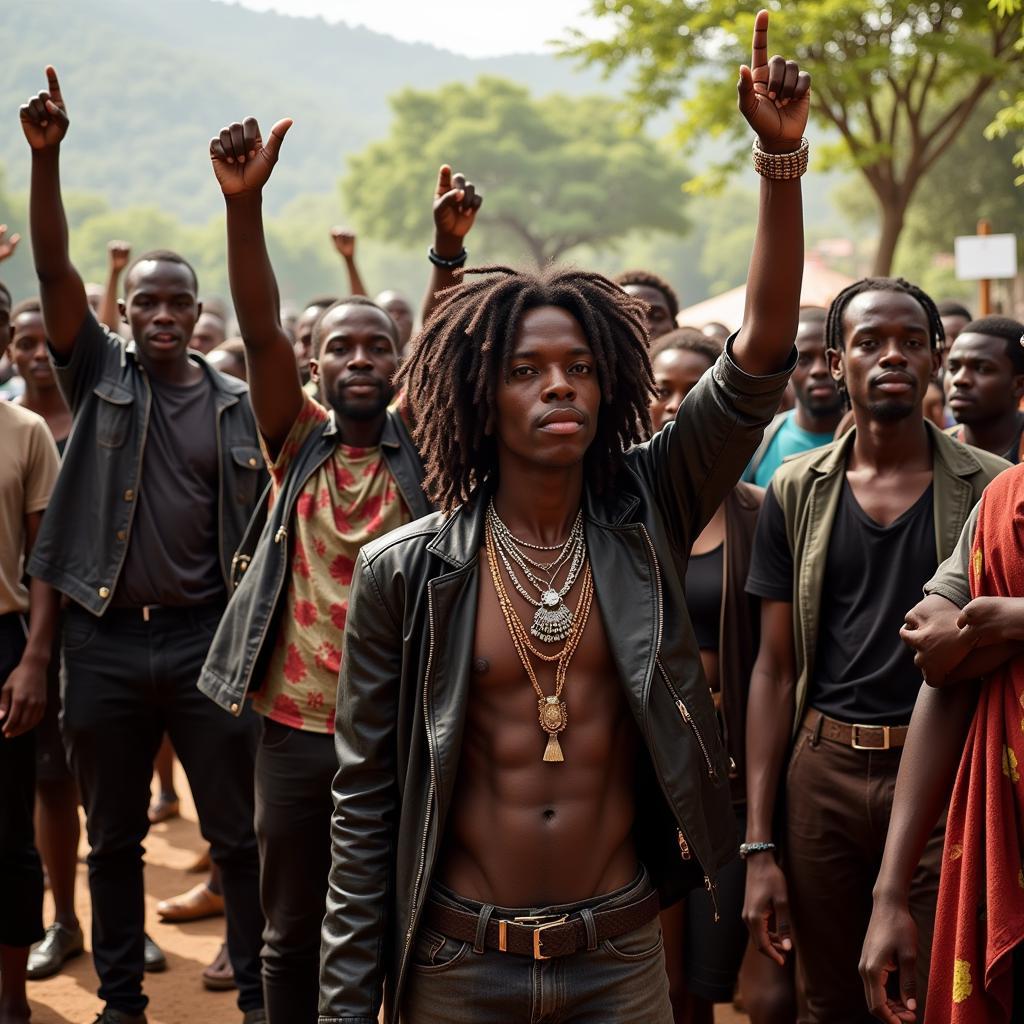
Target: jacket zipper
431	794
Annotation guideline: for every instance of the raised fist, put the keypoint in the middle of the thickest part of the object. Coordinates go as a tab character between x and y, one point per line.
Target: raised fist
241	162
456	202
7	245
774	95
118	254
44	118
344	241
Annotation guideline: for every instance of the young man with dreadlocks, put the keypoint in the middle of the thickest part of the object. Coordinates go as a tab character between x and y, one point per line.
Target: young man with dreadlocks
833	687
344	471
528	756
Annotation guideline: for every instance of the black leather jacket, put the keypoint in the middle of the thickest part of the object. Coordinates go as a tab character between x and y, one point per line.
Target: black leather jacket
406	672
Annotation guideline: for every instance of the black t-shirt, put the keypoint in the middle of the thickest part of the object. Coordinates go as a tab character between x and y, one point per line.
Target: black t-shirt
863	672
172	555
704	596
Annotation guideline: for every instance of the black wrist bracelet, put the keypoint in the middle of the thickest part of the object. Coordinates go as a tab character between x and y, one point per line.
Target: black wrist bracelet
746	849
452	264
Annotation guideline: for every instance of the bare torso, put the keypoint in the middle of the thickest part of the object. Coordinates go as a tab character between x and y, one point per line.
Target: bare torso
523	832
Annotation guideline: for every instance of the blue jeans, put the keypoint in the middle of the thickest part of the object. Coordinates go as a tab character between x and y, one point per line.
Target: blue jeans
619	981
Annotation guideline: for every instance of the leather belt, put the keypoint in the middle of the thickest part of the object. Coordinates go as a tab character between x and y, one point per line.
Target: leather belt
859	737
542	936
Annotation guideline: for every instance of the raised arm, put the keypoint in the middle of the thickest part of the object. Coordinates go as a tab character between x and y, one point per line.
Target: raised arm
345	242
44	120
242	164
770	709
774	97
456	202
118	255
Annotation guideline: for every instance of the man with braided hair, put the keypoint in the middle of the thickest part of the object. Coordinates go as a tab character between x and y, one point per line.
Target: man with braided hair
528	757
833	687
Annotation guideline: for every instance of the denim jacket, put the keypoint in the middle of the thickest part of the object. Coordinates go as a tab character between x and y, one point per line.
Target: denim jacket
85	533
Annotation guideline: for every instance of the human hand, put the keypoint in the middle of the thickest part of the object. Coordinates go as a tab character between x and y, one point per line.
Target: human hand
7	245
44	118
766	902
118	254
241	162
774	95
23	699
344	241
890	945
456	203
992	620
930	628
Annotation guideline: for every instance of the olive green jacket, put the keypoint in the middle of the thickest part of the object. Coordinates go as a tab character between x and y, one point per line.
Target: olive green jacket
807	487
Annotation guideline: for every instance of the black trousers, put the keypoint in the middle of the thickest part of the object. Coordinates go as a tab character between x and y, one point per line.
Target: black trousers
126	682
294	772
21	909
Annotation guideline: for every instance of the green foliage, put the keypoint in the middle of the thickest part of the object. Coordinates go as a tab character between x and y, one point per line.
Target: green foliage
897	79
557	172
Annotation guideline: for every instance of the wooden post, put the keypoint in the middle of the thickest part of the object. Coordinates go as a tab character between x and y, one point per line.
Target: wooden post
984	286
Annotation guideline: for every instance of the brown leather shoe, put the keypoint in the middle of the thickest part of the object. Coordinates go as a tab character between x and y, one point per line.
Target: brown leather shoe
220	975
193	905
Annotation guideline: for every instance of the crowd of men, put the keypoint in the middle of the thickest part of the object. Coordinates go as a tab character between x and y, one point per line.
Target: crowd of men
475	643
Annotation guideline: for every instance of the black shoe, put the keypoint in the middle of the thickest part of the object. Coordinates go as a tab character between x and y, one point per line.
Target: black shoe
257	1016
154	959
50	954
112	1016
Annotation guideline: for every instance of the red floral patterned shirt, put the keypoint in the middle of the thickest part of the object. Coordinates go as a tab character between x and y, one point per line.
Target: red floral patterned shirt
350	500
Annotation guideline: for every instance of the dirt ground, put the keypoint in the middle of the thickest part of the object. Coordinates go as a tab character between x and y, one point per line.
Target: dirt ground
176	996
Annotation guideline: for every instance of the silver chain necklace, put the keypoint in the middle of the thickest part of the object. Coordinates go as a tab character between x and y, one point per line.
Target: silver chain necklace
553	619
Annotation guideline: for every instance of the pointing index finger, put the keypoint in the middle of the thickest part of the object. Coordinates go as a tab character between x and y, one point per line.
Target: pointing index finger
52	85
759	46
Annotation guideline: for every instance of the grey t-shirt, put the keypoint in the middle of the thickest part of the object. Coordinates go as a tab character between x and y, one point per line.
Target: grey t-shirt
172	557
952	579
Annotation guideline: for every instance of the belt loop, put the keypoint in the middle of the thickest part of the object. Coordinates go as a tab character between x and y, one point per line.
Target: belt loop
588	922
480	944
816	732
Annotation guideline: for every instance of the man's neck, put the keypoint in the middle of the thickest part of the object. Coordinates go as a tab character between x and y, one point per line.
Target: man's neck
46	402
996	435
537	503
890	445
806	420
178	371
360	433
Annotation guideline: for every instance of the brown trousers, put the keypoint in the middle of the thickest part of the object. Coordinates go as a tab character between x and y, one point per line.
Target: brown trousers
838	802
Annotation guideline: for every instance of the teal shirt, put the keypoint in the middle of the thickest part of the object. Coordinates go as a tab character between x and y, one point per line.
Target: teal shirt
789	439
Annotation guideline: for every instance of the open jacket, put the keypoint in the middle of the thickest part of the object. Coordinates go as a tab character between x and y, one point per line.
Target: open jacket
808	487
405	680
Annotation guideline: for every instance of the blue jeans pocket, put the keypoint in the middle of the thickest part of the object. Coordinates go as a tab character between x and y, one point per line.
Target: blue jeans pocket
640	944
434	952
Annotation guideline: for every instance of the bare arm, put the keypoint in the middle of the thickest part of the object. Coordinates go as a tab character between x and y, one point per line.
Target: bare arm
770	710
23	695
242	164
930	759
774	97
456	202
345	242
118	255
45	122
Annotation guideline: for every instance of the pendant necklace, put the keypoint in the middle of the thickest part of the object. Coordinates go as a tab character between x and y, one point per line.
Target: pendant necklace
552	712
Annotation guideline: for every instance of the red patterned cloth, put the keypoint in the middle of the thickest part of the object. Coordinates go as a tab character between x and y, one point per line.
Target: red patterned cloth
349	501
980	916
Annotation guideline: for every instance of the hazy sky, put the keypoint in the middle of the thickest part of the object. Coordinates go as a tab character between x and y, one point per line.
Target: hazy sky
482	28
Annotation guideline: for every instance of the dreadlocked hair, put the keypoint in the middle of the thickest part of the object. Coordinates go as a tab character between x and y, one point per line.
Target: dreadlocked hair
462	354
647	279
834	320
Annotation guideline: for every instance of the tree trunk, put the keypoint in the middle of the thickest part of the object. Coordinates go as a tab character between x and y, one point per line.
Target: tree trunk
893	213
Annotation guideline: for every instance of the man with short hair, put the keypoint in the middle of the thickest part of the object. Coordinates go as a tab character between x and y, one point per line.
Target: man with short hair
984	386
812	422
660	296
528	756
303	346
208	333
955	317
161	475
846	537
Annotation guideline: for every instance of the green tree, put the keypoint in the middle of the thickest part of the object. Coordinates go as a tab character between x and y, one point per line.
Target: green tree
896	79
557	173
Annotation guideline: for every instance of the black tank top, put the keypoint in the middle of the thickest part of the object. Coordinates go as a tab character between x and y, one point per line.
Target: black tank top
704	596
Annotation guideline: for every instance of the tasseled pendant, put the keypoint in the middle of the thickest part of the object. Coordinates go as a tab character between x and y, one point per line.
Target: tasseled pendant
553	751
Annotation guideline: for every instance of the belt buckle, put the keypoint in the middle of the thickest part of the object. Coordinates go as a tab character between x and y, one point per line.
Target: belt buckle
857	745
550	921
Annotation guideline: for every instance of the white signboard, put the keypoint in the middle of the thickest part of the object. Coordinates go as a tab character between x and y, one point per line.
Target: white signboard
986	257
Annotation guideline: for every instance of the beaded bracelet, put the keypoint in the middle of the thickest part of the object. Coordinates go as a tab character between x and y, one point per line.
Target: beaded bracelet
746	849
780	166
